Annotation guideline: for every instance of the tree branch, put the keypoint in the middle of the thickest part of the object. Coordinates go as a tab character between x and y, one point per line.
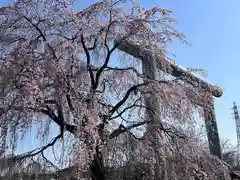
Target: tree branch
125	109
94	45
115	3
88	60
50	101
68	97
40	150
48	161
120	103
41	35
124	69
109	52
69	101
134	105
69	127
36	27
121	129
61	118
129	107
108	29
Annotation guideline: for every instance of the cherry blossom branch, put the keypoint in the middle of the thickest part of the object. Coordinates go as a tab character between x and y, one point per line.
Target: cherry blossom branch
108	29
104	87
109	52
51	101
61	118
169	131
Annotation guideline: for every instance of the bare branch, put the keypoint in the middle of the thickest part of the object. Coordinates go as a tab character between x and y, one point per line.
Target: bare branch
109	51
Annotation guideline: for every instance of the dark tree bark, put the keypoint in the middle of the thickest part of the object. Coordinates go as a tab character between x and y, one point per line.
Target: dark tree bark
97	168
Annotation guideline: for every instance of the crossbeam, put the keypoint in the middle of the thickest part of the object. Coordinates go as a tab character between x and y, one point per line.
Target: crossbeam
170	68
166	66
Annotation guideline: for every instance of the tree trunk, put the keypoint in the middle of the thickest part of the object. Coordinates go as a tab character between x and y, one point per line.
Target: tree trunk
97	168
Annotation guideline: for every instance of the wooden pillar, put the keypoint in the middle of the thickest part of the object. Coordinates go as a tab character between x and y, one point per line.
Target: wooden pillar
211	126
149	69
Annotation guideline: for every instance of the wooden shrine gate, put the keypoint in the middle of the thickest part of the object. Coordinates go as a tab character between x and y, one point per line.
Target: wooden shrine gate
150	66
152	62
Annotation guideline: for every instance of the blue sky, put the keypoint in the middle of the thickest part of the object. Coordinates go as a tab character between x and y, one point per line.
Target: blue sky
213	29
